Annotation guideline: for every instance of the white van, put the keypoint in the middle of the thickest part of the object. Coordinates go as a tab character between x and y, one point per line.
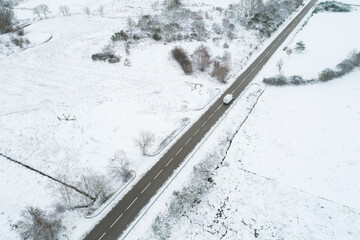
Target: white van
228	98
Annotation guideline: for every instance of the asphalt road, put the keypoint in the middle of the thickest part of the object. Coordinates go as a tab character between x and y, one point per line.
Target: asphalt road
127	209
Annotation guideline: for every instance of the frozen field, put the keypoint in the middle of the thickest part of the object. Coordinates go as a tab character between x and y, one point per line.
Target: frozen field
292	169
109	105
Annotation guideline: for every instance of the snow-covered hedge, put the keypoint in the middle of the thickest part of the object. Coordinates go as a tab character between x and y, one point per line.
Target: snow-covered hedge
332	6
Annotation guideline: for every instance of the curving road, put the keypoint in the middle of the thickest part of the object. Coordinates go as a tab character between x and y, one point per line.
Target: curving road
127	209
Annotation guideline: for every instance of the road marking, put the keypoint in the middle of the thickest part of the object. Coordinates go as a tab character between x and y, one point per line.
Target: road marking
169	161
211	115
189	139
219	107
145	188
202	125
196	132
179	150
102	236
158	174
116	220
131	203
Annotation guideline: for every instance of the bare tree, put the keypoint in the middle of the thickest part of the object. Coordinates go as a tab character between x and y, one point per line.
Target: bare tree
41	9
44	9
202	58
300	46
36	224
87	11
6	19
65	10
120	166
37	12
289	51
96	185
66	193
145	141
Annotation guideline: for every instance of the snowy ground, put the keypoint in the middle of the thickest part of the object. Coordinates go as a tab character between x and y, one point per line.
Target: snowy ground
111	104
292	169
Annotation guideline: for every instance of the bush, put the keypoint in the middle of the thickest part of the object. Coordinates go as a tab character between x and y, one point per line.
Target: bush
296	80
299	46
268	17
111	58
201	57
6	19
156	37
327	74
348	64
65	10
332	6
120	36
20	32
220	72
344	67
38	225
20	42
199	29
180	56
279	80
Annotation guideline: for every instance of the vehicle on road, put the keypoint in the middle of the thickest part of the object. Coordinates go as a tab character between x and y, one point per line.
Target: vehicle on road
228	98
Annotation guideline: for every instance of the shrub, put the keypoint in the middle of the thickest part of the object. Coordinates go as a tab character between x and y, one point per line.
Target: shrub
114	59
136	37
87	11
217	29
41	9
226	45
332	6
65	10
299	46
6	19
96	185
156	37
201	57
99	57
220	72
199	29
181	57
120	166
267	17
120	36
327	74
20	32
38	225
355	58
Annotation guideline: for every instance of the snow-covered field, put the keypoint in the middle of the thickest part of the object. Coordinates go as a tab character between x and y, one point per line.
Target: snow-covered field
292	169
111	105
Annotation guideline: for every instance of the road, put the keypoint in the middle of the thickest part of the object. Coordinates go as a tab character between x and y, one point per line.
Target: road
127	209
